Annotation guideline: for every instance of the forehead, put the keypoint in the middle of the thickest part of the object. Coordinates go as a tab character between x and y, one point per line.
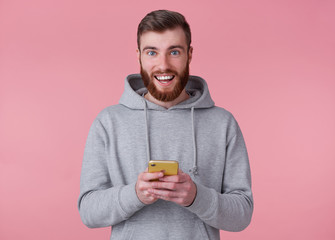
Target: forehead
165	39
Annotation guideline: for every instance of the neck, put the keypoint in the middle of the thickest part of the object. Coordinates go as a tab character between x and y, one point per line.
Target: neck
182	97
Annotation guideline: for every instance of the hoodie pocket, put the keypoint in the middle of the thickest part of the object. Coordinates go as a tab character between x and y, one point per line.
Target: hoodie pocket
202	229
163	229
126	232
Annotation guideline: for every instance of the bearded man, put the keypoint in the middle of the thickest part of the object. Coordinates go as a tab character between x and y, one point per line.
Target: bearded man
166	114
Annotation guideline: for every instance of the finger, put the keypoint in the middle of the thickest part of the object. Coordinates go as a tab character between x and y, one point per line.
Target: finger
164	194
142	186
165	185
173	196
178	200
180	178
145	176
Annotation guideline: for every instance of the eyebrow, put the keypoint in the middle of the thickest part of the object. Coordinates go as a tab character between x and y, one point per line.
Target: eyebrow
169	48
176	46
149	47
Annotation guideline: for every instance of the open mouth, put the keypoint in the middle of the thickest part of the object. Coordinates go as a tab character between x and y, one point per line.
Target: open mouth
164	79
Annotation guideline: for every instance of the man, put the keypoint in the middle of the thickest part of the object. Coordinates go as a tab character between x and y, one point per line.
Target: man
165	114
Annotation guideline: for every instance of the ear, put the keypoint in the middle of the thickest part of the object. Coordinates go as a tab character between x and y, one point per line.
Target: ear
138	55
190	52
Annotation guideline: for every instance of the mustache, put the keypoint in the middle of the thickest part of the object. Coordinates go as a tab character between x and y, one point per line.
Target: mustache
167	71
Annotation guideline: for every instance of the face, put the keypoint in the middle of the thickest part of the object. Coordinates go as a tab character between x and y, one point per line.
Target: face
164	60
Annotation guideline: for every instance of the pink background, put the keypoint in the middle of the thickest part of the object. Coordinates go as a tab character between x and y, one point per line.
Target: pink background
271	63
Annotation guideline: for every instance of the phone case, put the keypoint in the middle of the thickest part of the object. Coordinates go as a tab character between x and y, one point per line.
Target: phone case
169	167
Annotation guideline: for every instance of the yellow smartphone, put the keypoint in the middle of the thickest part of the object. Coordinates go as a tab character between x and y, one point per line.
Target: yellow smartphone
169	167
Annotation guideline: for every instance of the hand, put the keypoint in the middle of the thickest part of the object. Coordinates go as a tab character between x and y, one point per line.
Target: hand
177	188
143	185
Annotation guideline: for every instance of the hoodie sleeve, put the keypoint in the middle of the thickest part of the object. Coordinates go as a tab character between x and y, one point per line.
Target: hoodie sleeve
232	208
100	203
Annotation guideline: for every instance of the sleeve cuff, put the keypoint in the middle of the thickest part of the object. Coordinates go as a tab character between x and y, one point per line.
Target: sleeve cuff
129	201
203	202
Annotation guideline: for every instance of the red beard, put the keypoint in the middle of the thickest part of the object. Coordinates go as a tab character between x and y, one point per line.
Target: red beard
170	95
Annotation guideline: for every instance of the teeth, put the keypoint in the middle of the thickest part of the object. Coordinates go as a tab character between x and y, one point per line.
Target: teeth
162	78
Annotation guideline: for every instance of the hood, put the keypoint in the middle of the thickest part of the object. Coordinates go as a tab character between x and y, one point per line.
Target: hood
196	87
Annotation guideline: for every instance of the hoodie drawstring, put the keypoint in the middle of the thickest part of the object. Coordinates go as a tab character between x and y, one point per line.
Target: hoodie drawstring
147	130
194	169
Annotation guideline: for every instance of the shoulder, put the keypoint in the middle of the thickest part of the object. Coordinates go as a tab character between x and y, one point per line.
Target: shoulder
220	118
109	113
218	113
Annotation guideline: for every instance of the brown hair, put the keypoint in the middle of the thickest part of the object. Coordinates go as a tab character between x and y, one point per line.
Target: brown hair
161	20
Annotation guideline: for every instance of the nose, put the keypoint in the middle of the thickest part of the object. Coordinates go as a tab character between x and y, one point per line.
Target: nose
163	63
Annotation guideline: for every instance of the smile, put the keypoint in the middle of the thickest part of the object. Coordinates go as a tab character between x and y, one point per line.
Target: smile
164	78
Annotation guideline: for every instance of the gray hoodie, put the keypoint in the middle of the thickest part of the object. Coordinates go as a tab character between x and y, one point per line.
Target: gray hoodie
205	140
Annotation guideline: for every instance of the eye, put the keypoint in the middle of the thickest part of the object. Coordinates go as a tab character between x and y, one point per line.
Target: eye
175	52
151	53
